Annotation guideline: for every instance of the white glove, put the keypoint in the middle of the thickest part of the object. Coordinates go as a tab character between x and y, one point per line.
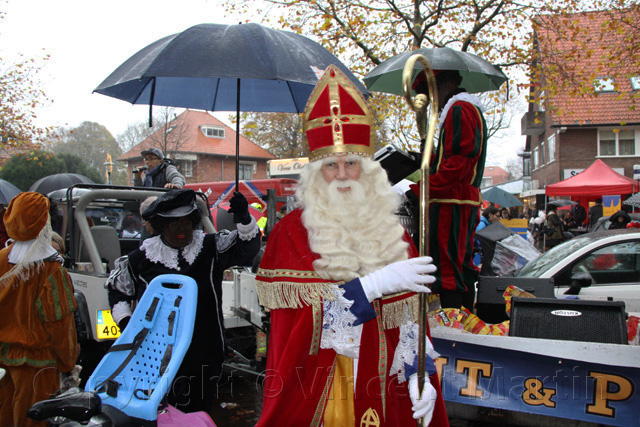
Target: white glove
408	275
422	407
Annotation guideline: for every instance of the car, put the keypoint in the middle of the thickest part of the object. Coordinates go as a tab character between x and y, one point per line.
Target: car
603	223
598	265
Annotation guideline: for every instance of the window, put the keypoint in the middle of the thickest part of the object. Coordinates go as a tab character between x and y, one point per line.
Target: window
245	171
526	167
626	143
542	154
604	84
486	181
615	264
536	158
212	132
551	142
185	167
635	82
617	142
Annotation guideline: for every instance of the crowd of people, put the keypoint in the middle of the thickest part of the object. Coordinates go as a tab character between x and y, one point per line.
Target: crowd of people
548	228
339	275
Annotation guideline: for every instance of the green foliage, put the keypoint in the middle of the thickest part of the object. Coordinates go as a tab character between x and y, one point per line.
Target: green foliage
91	142
23	169
74	164
278	133
364	34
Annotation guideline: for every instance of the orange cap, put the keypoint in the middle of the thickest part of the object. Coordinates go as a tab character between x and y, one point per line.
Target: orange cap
26	216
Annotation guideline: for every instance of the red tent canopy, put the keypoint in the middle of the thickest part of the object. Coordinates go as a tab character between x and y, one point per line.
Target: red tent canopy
595	181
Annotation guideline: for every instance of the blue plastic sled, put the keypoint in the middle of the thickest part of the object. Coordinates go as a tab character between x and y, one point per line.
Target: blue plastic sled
138	370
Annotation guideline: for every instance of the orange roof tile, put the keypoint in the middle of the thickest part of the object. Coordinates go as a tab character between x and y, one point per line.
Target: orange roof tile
561	39
194	140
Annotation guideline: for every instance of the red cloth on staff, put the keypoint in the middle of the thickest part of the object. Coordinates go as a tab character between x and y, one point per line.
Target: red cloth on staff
454	194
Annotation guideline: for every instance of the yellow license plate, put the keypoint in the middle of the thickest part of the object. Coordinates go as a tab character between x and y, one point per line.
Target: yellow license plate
105	325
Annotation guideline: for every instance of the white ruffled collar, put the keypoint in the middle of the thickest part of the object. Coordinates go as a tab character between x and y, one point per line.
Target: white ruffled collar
156	251
463	96
40	251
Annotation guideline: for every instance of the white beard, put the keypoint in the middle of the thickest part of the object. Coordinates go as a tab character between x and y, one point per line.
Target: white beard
354	232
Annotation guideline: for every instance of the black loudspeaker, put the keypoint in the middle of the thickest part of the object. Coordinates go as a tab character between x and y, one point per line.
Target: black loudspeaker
571	320
490	306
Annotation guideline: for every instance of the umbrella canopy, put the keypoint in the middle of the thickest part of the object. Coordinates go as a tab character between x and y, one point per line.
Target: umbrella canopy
223	220
199	68
55	182
500	197
562	202
214	67
634	201
478	75
7	192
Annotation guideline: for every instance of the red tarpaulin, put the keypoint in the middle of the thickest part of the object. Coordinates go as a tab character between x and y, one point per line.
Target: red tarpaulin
595	181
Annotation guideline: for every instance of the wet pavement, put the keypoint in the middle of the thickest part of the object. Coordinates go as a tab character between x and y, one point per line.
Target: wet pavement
239	399
239	402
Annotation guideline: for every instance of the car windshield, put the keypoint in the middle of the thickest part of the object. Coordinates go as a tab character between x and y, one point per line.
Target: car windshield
538	266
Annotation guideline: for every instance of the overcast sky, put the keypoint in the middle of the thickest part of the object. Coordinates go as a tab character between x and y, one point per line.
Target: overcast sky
87	40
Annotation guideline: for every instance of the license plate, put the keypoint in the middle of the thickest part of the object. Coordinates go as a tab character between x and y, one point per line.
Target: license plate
105	326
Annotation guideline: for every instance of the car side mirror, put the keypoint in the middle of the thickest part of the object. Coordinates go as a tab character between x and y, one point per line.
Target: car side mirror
578	281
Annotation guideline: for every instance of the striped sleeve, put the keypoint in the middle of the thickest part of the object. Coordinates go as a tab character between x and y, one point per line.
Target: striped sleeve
55	300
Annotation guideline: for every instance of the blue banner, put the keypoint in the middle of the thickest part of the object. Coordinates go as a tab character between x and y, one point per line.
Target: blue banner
527	382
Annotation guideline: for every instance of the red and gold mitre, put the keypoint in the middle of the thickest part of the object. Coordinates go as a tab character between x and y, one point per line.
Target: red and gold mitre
336	120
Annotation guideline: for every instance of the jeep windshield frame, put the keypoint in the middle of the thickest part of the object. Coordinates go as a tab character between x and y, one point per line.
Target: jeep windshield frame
109	195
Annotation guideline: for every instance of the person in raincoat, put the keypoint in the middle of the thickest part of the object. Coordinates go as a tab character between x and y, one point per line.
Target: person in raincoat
619	220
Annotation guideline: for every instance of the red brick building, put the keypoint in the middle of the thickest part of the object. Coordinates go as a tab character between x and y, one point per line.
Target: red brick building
204	150
493	175
565	132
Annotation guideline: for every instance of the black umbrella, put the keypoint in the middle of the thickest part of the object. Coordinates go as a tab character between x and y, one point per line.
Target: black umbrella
7	192
58	181
204	67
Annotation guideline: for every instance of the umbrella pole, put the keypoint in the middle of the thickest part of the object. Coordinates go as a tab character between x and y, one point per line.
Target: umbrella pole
236	218
238	135
426	135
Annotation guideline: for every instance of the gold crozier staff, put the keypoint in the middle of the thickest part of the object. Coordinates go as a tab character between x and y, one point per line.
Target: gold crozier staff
426	135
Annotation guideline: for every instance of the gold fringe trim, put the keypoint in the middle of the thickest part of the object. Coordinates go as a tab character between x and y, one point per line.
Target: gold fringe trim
395	314
302	274
292	294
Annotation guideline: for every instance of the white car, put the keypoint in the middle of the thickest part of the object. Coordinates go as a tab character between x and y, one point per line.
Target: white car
600	265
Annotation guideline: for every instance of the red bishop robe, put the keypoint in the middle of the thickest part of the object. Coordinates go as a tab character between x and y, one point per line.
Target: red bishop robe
299	373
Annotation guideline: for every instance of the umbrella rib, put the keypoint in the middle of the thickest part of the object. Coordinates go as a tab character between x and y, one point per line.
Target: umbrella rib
295	101
137	96
215	96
